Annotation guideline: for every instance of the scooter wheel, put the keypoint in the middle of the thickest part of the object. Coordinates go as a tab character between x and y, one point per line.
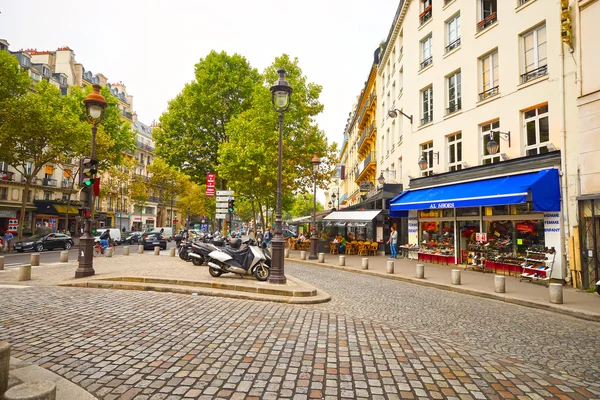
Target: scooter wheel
183	255
214	272
197	261
262	272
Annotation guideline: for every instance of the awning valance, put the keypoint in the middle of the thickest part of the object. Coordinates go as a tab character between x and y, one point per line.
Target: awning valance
542	188
62	209
352	215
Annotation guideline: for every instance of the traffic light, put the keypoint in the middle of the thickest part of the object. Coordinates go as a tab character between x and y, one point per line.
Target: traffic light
87	171
231	205
565	21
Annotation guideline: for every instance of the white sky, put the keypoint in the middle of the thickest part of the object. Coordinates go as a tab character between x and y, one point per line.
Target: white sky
152	45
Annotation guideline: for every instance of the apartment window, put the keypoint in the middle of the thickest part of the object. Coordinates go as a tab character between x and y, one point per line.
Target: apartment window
427	152
485	133
488	13
383	144
536	130
455	152
426	55
401	82
426	11
427	105
3	166
535	61
454	93
47	195
29	168
399	171
394	90
393	137
490	75
3	193
453	29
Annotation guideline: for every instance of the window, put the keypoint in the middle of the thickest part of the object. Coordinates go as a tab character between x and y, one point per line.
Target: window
427	152
485	133
453	28
47	195
3	166
490	75
3	193
393	136
426	12
426	57
488	13
401	82
29	167
535	61
454	93
536	130
394	90
399	171
455	152
427	105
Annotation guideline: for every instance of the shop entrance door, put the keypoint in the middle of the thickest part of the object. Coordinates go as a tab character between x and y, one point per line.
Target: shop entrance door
466	235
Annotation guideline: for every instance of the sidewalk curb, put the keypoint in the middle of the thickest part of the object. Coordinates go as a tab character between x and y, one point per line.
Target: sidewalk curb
595	317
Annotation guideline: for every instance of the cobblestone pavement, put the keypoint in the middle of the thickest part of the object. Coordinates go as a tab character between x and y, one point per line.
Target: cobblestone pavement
364	344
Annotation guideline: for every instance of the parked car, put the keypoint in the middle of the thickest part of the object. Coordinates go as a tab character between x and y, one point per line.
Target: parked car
167	232
40	242
287	233
153	239
131	237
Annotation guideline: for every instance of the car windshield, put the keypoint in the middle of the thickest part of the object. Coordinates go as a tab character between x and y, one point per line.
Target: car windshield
34	237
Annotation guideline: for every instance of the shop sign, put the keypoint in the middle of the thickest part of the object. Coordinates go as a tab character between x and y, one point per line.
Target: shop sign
8	213
137	219
210	184
413	227
13	225
441	205
552	239
365	186
481	237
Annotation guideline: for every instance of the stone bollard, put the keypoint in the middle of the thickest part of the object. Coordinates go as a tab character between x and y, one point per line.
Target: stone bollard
321	257
286	253
126	250
25	273
157	250
500	284
172	252
64	256
1	263
456	276
342	261
303	255
365	263
141	249
35	259
420	271
556	293
390	267
109	251
4	365
40	390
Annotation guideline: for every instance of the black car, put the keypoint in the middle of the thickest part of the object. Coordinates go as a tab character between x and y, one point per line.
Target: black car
152	239
131	237
40	242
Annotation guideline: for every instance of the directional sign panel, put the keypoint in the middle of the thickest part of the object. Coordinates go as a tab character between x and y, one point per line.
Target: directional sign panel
220	216
225	199
225	192
222	210
222	205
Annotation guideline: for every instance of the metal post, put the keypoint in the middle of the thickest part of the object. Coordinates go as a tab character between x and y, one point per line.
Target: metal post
278	242
86	242
313	237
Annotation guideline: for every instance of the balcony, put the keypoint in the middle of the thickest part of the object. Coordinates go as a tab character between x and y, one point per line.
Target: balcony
453	106
49	182
425	15
7	176
489	93
427	118
65	184
453	45
536	73
489	20
426	62
367	166
144	146
126	114
34	180
155	199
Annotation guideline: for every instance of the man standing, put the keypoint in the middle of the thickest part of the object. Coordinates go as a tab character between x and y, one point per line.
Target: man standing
8	237
392	241
268	236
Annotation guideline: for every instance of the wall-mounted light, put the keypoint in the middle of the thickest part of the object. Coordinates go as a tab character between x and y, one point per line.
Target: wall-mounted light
423	160
492	146
393	113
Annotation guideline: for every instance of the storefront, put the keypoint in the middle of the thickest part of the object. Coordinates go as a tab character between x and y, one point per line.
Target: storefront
505	223
354	225
53	215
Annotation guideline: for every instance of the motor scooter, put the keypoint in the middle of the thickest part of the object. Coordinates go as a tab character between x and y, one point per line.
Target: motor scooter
248	260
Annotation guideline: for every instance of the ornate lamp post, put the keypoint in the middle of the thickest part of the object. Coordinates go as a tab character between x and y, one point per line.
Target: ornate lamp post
95	106
280	96
314	238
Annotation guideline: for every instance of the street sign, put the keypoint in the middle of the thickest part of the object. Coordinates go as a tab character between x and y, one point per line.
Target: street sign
222	205
222	210
225	199
225	192
220	216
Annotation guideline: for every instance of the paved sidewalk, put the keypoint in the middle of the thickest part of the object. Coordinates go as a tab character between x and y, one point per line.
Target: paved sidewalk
576	302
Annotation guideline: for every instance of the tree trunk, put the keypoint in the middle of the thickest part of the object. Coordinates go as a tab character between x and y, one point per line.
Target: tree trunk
262	215
23	207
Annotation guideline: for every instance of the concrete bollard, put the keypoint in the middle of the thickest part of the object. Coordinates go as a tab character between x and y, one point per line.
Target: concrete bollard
64	256
172	252
303	255
321	257
420	271
25	273
342	261
126	250
40	390
390	267
4	365
141	249
1	267
35	259
456	276
286	253
157	250
556	293
500	284
365	263
109	251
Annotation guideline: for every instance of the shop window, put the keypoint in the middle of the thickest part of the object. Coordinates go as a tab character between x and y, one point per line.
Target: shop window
497	210
467	212
524	208
537	131
488	158
437	237
444	213
455	152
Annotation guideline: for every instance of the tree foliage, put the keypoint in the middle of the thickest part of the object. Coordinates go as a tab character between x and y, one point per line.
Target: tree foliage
194	198
194	126
303	205
14	81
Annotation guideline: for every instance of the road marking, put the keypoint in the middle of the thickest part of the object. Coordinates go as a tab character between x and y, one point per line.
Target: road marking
14	286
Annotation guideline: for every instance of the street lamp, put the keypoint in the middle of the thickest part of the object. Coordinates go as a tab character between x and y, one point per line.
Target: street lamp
314	239
492	146
280	97
333	197
423	160
95	106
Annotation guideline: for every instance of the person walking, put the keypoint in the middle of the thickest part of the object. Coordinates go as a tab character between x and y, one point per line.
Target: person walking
8	237
268	236
392	241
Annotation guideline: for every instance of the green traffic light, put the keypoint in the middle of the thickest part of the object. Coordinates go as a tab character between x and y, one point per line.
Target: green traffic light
88	183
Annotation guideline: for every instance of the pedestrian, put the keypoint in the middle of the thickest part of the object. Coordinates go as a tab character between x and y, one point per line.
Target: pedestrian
392	241
8	237
268	236
342	245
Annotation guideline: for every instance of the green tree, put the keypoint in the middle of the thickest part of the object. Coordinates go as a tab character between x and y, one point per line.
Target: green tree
195	199
194	127
303	205
168	182
14	81
138	191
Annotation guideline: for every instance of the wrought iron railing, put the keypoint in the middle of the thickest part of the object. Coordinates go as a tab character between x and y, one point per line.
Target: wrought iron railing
536	73
453	45
7	176
489	20
489	93
427	118
426	62
49	182
453	106
426	15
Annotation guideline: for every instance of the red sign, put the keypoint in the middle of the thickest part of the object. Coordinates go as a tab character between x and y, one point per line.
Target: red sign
210	184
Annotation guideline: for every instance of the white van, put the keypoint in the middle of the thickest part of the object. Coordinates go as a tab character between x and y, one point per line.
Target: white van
167	232
115	235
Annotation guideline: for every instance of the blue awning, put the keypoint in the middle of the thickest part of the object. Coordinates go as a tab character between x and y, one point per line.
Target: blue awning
542	188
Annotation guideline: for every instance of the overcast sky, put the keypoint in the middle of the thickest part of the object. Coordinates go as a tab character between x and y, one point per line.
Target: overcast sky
152	45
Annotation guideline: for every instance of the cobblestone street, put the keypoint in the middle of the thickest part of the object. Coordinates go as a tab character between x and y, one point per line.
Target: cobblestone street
376	339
